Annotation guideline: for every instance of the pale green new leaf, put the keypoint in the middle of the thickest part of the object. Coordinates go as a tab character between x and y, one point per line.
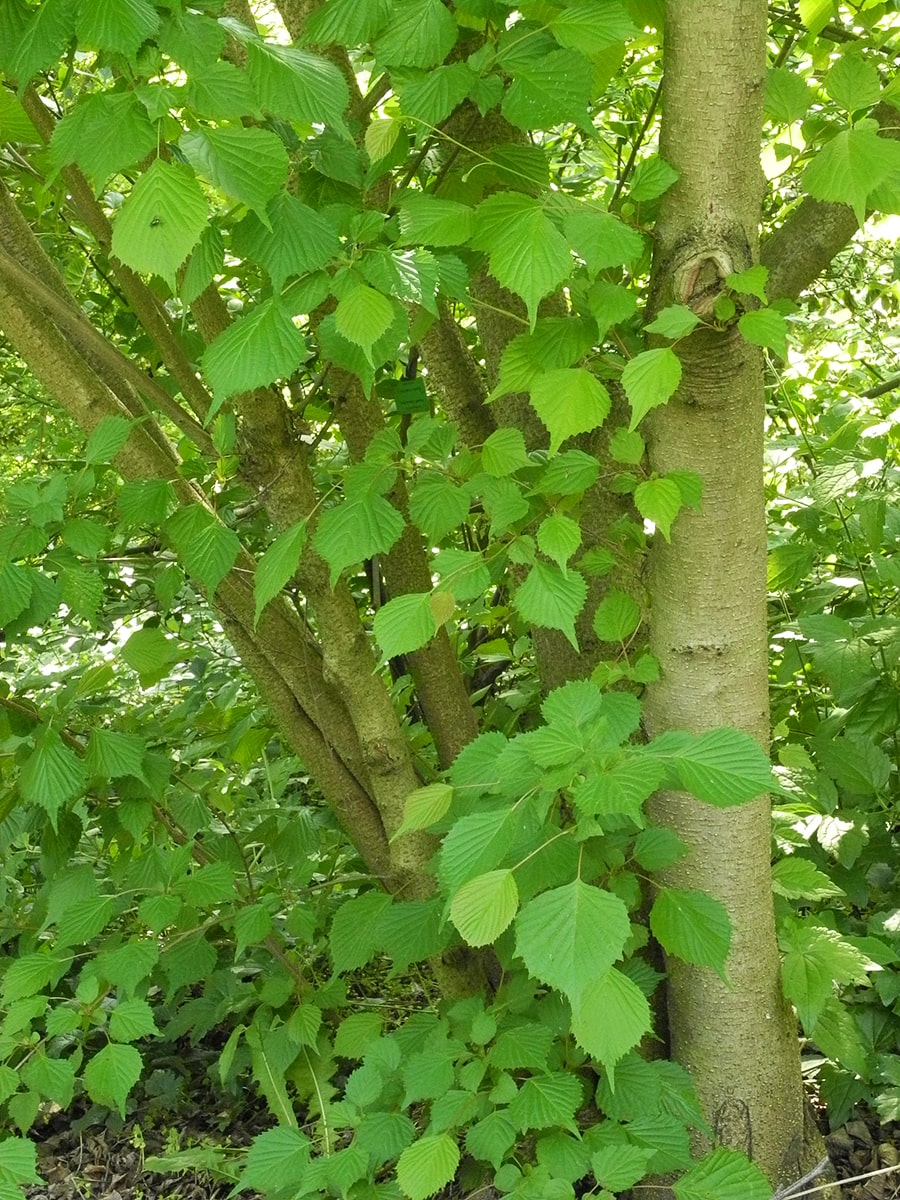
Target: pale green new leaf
52	775
558	537
249	164
253	352
425	807
571	935
277	566
552	598
850	166
674	322
765	327
117	25
161	221
723	1175
404	624
277	1159
381	137
751	282
484	906
296	85
356	530
427	1165
569	401
601	239
591	27
692	925
815	14
111	1074
208	549
617	617
659	500
853	83
363	316
476	844
421	33
650	379
504	452
610	1017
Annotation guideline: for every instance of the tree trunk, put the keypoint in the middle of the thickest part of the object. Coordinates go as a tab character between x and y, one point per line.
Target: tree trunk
707	587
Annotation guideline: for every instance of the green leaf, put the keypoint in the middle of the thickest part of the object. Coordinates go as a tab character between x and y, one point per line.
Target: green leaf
437	505
347	22
504	452
384	1135
610	304
425	807
18	1164
552	598
610	1017
650	379
51	1077
474	845
851	166
29	974
103	134
765	327
151	654
363	316
106	439
658	847
627	446
651	178
853	83
568	474
426	220
43	39
15	591
618	1167
724	1174
620	789
206	547
569	401
297	85
464	573
117	25
549	90
797	879
815	960
421	33
590	28
435	95
111	1074
558	537
132	1020
277	566
251	926
381	137
52	775
488	1140
111	754
356	530
221	92
788	96
483	907
354	931
277	1159
723	767
249	164
293	240
547	1101
406	623
692	925
815	14
570	936
617	617
356	1033
427	1165
674	322
659	500
751	282
253	352
528	254
161	220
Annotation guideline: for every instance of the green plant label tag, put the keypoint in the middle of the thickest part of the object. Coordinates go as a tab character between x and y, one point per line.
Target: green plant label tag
411	396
